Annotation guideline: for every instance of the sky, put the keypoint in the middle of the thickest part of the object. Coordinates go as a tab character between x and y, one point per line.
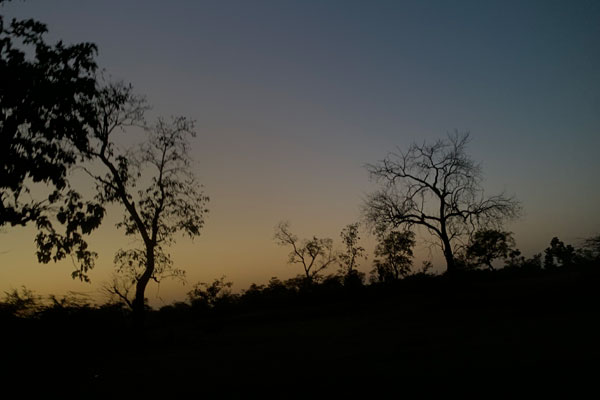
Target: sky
293	98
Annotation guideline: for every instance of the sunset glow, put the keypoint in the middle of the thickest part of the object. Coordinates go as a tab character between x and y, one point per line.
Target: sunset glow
292	99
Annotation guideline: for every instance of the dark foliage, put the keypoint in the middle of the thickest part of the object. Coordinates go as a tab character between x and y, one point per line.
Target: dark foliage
46	96
394	256
488	245
559	254
478	323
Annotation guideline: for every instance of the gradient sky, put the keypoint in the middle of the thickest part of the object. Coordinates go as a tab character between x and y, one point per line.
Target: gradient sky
292	98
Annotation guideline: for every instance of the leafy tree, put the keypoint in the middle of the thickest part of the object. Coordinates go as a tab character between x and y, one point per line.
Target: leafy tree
348	258
314	254
534	263
591	248
559	254
275	293
46	96
515	259
488	245
394	256
437	186
153	182
207	296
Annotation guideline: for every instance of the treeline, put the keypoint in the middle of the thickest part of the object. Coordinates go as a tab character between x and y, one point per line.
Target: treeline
209	300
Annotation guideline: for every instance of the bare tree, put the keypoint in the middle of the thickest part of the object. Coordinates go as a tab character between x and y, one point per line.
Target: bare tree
119	289
437	186
154	184
314	255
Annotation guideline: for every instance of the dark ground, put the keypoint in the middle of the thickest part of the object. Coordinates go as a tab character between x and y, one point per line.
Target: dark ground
542	331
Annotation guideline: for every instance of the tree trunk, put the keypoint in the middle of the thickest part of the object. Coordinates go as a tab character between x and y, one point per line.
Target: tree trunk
309	277
139	306
448	254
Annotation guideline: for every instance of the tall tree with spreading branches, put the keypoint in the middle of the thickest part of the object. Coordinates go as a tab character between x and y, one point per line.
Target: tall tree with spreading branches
154	184
437	186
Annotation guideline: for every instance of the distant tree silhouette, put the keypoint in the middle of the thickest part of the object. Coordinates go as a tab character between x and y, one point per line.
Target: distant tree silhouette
426	266
46	96
488	245
348	258
437	186
153	182
394	256
21	303
276	293
206	296
515	259
591	248
534	263
118	289
593	243
589	251
559	254
314	254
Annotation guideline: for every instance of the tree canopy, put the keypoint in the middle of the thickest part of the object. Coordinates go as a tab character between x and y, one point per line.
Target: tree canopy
47	93
45	110
394	256
488	245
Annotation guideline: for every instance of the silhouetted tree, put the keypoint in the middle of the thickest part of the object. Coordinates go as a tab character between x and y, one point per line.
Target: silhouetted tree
352	252
591	248
534	263
153	182
275	293
514	260
119	290
207	296
131	265
394	252
46	96
21	303
488	245
437	186
559	254
314	255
